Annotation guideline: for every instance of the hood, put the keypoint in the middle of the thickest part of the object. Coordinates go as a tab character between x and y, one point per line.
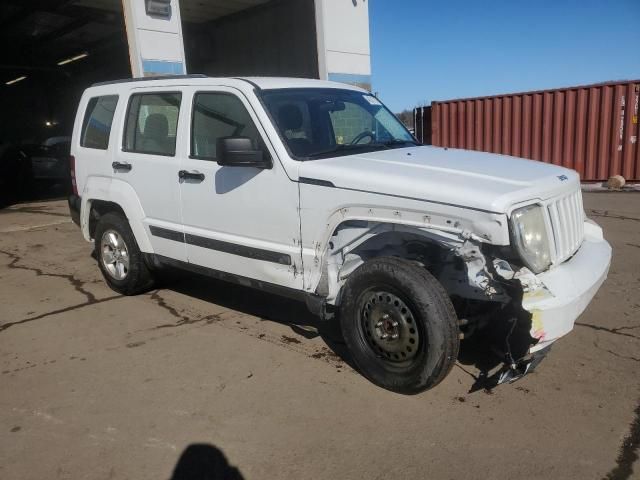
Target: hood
465	178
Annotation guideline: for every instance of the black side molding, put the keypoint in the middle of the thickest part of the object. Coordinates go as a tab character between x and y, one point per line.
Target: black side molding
240	250
316	181
220	246
166	233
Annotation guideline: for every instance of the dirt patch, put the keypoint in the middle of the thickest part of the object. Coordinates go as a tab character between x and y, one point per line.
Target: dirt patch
289	340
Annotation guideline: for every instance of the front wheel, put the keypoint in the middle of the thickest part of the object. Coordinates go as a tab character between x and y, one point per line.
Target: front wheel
399	325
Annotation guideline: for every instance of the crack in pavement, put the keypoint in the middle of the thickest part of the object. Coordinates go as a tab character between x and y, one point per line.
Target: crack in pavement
605	213
29	228
628	451
324	353
628	327
635	359
615	354
5	326
628	454
182	319
35	210
614	331
76	283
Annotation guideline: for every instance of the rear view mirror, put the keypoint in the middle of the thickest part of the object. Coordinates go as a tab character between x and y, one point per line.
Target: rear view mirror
240	152
332	106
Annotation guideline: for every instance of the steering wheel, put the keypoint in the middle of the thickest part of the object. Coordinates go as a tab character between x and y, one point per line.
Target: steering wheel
360	136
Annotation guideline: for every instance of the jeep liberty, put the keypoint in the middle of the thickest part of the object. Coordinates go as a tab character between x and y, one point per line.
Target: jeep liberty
314	190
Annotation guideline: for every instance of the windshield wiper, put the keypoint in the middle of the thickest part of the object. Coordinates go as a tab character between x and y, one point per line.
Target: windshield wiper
356	146
398	141
347	146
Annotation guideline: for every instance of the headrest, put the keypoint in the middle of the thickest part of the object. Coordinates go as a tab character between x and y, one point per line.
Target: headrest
290	117
156	126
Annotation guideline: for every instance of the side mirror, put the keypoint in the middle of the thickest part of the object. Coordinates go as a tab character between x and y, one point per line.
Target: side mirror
240	152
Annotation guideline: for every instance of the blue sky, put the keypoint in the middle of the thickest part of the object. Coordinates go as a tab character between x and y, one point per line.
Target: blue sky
423	50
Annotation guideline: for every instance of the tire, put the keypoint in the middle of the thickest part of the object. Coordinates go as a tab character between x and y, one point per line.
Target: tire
422	347
134	277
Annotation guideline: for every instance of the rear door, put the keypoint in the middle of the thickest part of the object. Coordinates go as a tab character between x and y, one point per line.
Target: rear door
147	163
240	220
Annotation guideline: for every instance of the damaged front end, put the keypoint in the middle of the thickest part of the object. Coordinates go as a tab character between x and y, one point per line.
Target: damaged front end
486	291
491	308
535	310
501	304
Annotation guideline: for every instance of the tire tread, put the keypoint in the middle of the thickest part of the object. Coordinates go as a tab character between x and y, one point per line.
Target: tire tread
431	298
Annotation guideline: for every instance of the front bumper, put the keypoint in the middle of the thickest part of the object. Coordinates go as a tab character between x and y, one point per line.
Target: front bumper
568	289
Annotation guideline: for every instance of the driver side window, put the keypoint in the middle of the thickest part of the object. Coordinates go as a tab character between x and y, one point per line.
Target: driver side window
217	115
349	123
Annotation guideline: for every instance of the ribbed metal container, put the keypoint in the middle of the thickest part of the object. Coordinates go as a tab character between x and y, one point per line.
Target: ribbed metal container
592	129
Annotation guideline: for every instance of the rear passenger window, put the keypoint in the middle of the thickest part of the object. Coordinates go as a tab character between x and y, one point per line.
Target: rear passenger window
96	125
152	123
217	115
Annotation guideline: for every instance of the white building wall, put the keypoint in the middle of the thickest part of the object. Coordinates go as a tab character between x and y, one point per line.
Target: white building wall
156	46
342	28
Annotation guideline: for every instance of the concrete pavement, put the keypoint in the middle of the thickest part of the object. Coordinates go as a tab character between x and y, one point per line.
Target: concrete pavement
95	385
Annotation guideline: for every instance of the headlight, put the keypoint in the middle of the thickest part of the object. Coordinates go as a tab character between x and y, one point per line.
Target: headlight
530	237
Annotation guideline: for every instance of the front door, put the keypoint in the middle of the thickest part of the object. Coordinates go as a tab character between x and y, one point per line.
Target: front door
239	220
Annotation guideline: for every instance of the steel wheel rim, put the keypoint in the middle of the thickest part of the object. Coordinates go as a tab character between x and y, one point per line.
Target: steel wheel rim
389	327
114	255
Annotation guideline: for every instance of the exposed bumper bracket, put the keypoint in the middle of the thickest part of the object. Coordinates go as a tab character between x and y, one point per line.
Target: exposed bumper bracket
514	372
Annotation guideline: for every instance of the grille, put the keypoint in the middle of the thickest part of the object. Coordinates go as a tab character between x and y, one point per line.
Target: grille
567	223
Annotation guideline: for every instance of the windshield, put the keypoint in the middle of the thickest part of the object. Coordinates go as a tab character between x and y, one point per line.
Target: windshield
320	123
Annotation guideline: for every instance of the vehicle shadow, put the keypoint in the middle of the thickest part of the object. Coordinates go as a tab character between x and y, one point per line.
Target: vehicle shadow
264	305
203	461
476	356
478	360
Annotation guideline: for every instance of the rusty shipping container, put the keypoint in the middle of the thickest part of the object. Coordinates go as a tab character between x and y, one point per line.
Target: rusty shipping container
593	129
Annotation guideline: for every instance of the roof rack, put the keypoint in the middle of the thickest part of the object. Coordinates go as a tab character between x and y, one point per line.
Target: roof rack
144	79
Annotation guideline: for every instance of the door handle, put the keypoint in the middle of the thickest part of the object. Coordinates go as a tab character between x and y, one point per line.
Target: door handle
121	166
184	175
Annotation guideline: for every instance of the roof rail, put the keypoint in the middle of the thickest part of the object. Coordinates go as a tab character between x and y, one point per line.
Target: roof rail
144	79
253	84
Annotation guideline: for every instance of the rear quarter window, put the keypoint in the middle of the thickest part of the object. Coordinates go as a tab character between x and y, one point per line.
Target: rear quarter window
98	117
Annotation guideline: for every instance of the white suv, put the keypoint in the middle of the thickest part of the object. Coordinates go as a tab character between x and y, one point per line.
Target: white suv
314	190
